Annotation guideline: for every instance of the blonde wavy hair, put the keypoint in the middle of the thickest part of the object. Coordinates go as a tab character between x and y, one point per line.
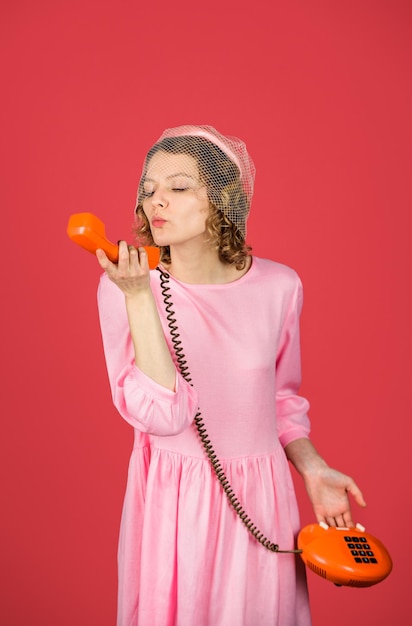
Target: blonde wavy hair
225	192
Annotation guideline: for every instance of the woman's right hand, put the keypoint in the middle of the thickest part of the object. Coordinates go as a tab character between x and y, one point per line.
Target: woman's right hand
131	273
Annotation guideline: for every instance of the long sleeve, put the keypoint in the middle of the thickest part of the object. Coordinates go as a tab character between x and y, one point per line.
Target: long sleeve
291	409
142	402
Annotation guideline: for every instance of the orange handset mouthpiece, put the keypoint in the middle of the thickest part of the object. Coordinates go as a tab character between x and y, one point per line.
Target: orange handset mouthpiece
88	231
345	556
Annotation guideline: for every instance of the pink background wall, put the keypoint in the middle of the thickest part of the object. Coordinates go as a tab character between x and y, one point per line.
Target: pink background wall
320	90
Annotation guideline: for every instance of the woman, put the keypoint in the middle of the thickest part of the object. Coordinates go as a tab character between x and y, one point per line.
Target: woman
184	555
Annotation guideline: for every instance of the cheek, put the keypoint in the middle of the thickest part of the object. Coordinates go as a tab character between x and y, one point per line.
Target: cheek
203	203
201	214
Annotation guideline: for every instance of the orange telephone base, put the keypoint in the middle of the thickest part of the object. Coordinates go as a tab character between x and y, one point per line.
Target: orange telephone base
88	231
345	556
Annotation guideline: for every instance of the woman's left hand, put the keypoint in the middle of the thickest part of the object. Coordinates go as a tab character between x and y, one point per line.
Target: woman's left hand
327	488
329	492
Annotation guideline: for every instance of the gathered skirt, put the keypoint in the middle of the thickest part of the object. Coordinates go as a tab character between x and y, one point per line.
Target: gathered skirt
186	558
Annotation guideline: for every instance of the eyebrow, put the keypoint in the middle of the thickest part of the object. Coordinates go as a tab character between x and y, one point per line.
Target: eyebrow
171	176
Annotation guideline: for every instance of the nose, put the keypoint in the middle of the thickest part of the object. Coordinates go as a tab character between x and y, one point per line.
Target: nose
159	199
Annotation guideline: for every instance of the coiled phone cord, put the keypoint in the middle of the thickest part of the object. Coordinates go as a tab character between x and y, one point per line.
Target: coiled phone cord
200	426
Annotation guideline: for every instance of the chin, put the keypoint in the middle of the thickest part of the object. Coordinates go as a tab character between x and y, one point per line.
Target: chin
157	237
161	241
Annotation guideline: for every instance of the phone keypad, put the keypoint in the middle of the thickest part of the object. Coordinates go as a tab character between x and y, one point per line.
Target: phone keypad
360	549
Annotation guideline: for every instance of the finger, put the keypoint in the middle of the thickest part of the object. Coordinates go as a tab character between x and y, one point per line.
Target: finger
144	261
102	259
138	260
325	519
340	521
356	493
124	257
133	258
348	521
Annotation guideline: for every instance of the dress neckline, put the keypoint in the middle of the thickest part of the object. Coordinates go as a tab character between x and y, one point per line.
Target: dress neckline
218	286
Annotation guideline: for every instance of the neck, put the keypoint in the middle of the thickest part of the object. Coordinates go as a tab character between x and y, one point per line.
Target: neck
200	266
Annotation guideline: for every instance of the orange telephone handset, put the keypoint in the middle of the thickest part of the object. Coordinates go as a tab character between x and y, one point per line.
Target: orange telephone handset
345	556
88	231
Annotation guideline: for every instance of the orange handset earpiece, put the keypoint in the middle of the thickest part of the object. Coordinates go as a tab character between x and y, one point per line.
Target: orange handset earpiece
88	231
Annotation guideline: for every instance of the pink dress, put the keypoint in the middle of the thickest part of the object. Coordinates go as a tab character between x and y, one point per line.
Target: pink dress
185	558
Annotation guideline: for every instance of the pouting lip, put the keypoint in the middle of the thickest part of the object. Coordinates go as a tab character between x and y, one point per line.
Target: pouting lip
158	220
